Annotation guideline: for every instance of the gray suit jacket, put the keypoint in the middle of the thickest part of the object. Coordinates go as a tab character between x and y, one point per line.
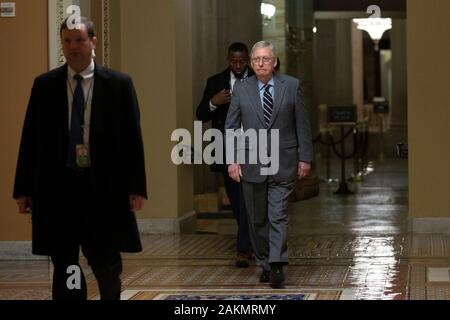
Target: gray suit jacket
289	117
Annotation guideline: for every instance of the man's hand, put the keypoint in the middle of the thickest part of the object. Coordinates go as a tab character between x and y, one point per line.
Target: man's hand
221	98
235	173
304	169
25	204
136	203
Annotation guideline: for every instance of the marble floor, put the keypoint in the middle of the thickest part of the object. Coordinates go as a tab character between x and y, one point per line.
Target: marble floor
341	247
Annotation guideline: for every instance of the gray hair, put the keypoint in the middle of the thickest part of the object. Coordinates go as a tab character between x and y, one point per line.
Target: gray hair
264	44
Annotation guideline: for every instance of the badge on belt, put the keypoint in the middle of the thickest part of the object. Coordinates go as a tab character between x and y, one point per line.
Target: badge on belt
83	159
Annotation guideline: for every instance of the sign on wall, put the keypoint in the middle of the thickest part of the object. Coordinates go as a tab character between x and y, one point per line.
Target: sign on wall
7	9
342	115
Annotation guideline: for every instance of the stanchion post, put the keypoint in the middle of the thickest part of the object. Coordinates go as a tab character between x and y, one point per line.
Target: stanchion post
328	155
357	175
343	186
364	161
381	119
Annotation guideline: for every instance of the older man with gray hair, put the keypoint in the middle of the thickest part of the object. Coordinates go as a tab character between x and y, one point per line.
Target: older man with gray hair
273	102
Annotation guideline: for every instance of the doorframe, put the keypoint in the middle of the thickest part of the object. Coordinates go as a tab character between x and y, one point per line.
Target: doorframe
57	14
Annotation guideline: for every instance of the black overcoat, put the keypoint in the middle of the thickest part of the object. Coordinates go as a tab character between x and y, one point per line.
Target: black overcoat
117	160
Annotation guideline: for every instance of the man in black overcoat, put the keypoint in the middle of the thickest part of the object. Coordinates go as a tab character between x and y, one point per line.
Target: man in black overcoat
81	168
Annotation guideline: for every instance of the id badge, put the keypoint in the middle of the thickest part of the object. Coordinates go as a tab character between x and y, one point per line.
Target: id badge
83	159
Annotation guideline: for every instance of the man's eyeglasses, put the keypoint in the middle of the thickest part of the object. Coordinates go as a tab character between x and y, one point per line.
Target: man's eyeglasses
265	60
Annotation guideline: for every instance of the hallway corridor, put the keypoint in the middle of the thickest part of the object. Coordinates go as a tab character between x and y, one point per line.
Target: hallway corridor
354	247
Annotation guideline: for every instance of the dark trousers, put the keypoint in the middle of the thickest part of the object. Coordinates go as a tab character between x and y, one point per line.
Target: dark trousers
236	196
267	204
68	279
106	268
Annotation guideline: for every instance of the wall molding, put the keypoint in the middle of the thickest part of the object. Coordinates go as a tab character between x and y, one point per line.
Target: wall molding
57	14
185	224
106	33
18	250
430	225
21	250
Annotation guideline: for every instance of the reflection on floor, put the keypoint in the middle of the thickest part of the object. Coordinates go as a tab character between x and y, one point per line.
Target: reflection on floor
341	247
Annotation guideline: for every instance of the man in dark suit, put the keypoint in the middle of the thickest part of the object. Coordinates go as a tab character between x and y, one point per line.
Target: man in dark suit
81	168
214	107
273	102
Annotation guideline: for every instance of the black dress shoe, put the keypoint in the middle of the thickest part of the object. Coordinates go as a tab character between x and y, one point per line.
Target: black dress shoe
242	260
264	277
276	277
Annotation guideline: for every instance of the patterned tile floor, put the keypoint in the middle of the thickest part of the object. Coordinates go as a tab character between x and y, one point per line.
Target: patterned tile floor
353	247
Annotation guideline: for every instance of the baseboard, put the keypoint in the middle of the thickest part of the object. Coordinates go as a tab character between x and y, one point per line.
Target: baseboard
430	225
17	250
185	225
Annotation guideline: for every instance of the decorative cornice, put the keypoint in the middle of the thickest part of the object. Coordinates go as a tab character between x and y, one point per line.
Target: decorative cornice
106	33
59	20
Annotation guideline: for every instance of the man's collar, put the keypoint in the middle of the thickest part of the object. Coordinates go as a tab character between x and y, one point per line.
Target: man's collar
261	84
233	76
86	73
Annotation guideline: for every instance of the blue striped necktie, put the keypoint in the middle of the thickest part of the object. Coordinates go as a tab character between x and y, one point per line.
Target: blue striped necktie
76	121
268	104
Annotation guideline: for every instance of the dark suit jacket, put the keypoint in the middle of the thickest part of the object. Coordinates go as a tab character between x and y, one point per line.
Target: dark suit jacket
214	85
117	159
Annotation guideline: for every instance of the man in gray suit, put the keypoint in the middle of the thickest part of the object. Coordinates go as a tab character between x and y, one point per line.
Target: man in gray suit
273	102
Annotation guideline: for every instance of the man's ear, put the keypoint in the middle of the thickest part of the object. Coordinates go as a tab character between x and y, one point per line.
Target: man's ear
94	43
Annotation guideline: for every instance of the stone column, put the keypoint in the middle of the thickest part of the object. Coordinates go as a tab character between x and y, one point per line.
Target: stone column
299	51
399	78
237	21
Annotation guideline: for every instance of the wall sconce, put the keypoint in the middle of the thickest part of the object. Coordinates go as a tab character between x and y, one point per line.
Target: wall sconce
267	11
